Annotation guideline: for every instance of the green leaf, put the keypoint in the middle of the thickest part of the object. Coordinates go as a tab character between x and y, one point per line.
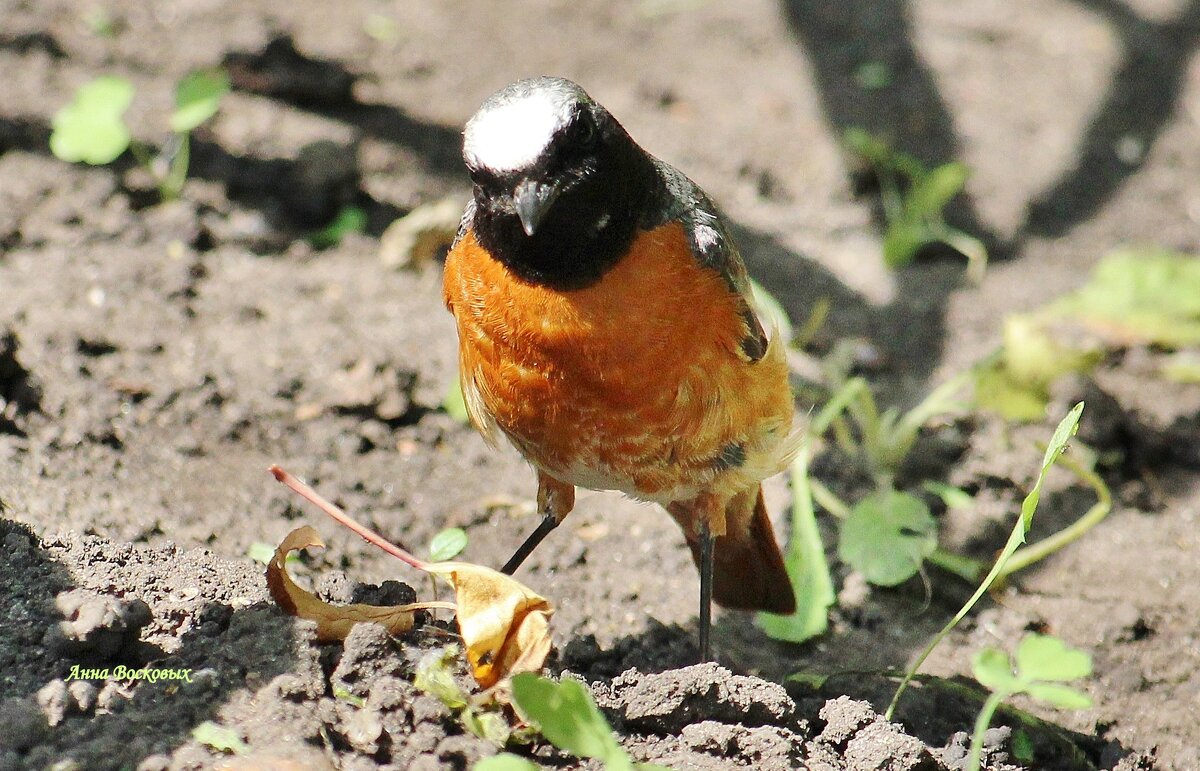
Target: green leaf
1058	443
487	725
220	738
953	497
505	762
806	567
996	390
435	676
1032	356
265	552
91	128
993	669
343	694
261	552
887	536
1021	746
351	219
812	680
867	146
382	28
1059	695
1041	657
567	716
454	404
902	240
770	311
1141	297
930	194
447	544
197	98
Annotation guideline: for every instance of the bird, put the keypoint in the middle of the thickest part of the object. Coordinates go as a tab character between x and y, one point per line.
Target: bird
607	328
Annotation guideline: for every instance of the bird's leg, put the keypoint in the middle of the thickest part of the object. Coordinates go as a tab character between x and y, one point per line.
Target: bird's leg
706	590
555	501
709	513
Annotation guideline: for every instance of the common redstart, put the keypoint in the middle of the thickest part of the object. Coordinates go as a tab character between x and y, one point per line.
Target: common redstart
606	327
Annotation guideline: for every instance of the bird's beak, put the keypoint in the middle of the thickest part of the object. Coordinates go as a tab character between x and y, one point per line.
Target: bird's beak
532	200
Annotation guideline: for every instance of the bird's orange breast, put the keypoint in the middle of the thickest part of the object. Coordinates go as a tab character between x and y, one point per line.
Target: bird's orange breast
634	383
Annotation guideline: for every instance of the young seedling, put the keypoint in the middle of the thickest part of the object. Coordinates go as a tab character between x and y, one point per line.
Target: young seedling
351	219
1058	444
446	545
806	566
1148	297
435	676
92	128
888	535
220	738
913	199
566	715
1042	667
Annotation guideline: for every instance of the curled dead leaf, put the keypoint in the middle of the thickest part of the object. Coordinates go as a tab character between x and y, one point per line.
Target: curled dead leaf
333	621
504	625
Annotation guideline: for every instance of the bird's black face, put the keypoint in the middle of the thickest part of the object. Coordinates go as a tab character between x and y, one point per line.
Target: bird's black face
559	184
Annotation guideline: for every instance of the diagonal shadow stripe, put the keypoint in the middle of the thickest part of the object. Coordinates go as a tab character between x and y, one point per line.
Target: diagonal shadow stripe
1140	102
839	39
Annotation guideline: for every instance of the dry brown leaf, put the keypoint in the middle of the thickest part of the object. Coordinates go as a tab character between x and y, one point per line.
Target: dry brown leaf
415	239
504	625
333	621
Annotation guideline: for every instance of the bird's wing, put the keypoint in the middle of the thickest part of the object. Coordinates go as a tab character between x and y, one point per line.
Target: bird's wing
681	200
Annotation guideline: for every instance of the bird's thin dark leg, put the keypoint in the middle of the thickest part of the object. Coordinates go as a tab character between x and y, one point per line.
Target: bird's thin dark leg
555	500
549	522
706	591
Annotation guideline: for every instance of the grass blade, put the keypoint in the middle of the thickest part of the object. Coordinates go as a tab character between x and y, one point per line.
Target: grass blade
807	567
1066	429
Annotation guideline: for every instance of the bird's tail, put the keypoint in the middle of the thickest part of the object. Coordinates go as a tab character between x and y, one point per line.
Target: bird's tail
748	569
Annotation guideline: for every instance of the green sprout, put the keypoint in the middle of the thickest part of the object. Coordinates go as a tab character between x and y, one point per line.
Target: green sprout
564	713
1058	444
884	437
447	544
265	552
914	198
1042	666
887	537
220	738
1147	297
342	693
806	567
351	219
92	129
435	676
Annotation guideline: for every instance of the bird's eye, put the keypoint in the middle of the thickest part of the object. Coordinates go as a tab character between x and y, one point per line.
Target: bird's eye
585	133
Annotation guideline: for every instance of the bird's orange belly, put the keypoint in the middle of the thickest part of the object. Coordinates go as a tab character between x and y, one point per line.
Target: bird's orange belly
632	384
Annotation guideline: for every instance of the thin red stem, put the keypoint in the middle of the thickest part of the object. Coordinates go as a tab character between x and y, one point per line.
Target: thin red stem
344	519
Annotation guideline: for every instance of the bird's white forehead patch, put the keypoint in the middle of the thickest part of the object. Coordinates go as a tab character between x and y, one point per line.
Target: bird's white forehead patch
509	137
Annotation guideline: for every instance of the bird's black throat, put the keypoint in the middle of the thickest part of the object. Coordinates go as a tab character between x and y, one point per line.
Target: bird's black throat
586	231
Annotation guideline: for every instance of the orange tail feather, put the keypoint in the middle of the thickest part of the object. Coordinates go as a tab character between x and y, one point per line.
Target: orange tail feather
748	569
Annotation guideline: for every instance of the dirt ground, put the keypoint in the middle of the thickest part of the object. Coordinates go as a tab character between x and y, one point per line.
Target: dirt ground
156	358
